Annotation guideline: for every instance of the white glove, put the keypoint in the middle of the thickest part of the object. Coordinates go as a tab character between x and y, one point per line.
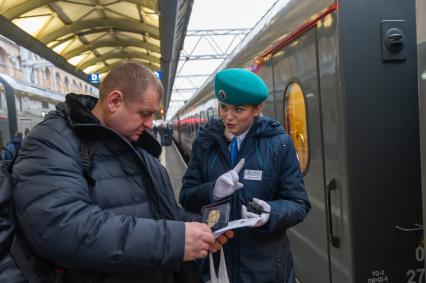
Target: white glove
263	217
228	183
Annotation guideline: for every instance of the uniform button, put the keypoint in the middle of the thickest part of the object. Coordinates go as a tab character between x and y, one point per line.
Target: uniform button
279	260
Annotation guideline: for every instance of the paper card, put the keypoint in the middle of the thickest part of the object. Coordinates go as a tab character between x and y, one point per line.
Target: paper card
247	222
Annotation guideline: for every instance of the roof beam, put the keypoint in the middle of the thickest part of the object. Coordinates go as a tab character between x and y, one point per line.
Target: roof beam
110	43
172	30
62	16
106	31
111	66
25	40
112	55
26	6
151	4
203	57
119	24
17	10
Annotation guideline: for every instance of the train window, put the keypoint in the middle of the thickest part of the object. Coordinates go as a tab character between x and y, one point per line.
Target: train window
197	123
202	118
194	125
295	122
210	113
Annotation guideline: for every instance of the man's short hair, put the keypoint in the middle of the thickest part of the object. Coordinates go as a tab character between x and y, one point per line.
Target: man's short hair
132	79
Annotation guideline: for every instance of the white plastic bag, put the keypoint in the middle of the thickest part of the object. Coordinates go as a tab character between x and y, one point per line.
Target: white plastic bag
222	277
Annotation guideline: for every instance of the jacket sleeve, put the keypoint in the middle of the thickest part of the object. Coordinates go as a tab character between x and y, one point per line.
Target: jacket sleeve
64	225
291	203
195	192
9	150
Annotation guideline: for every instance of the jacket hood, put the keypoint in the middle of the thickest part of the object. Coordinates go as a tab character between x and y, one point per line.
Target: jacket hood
16	140
262	127
77	111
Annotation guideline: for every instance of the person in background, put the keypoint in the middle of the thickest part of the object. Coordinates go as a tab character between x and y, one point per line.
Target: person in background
13	146
168	135
268	175
162	131
155	131
118	221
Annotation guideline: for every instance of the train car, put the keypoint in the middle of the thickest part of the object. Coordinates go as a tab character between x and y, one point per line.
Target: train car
342	78
22	106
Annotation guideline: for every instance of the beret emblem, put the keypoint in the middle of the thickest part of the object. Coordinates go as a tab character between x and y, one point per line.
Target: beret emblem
222	95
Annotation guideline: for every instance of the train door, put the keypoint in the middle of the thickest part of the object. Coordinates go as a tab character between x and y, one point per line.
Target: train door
295	73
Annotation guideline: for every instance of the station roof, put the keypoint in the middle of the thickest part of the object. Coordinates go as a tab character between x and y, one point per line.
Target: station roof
92	36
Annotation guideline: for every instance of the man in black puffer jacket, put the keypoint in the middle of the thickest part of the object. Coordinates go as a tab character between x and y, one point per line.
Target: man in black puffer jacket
125	225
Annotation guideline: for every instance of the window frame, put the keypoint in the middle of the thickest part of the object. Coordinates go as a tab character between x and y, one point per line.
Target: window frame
299	83
210	111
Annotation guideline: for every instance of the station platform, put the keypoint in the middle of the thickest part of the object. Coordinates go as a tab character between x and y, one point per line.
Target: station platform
171	159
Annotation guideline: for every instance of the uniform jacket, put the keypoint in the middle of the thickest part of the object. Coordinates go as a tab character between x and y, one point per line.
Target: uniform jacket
122	227
255	254
12	147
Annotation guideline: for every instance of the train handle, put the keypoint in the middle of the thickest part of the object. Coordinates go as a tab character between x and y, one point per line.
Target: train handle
331	186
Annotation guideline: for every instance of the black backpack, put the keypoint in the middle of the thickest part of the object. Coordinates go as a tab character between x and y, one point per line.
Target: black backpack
18	264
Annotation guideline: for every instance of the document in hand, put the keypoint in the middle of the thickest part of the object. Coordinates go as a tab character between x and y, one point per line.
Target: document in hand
216	215
246	222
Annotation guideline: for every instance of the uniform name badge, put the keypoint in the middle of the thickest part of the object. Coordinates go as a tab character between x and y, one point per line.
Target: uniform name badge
254	175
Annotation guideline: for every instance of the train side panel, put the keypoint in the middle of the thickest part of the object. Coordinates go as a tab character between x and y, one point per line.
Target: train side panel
380	119
421	59
295	66
334	150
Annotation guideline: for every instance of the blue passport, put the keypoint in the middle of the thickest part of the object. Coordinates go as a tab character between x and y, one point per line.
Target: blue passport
216	215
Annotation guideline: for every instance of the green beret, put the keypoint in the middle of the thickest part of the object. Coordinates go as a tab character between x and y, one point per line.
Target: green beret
239	87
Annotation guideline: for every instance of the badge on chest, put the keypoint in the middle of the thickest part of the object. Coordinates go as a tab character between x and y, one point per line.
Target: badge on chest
253	175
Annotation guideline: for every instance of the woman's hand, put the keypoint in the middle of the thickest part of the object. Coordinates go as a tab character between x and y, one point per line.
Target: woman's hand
264	215
228	183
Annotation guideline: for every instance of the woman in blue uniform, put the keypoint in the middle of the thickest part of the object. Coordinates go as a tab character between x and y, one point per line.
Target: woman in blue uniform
247	157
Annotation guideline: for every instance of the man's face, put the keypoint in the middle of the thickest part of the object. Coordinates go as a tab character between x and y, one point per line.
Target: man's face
131	118
238	118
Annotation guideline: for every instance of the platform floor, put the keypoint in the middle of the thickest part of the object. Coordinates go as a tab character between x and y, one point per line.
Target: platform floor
175	165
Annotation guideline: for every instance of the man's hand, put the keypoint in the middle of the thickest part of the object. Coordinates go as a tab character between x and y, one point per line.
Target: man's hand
263	217
198	239
221	240
228	183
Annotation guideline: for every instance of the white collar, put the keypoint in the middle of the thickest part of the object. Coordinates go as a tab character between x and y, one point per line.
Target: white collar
240	138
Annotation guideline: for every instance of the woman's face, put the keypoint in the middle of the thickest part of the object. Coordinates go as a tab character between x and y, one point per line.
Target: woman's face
238	118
